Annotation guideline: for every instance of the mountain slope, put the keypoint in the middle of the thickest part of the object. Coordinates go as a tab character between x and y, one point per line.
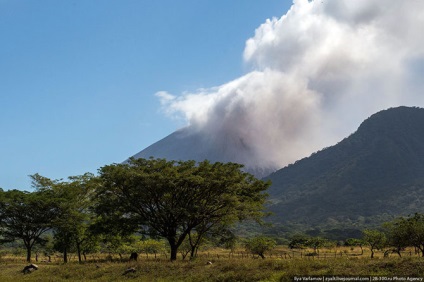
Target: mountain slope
185	144
371	176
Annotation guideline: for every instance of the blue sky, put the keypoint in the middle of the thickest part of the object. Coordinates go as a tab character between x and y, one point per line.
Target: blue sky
78	78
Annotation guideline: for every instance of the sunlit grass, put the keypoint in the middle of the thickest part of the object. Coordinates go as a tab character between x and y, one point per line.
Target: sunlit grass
225	267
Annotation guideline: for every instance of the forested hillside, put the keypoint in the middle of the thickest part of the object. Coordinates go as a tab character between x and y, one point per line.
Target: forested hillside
375	174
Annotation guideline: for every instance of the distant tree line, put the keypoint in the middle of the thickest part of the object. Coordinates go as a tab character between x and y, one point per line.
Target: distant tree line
393	237
183	203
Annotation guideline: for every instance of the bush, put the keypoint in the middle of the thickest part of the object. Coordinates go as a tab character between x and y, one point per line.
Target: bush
260	245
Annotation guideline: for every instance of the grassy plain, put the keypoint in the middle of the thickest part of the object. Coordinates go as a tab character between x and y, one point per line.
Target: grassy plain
238	267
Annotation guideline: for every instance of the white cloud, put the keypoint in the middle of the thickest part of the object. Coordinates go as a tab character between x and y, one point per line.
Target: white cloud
319	70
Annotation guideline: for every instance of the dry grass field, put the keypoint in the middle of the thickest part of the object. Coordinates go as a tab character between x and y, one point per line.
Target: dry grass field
281	265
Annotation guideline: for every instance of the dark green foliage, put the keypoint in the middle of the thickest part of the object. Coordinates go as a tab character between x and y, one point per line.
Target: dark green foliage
260	245
370	177
226	239
177	199
404	232
318	242
375	239
397	235
354	242
71	228
415	230
298	241
26	216
341	233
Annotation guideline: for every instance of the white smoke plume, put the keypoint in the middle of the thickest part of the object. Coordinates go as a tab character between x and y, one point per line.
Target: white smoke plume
317	72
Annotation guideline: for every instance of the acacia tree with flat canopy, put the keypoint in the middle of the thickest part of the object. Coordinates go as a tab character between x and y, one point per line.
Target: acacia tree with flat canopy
172	199
26	216
73	199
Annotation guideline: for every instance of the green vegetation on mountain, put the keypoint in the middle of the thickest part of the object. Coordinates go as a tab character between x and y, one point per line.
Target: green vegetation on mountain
370	177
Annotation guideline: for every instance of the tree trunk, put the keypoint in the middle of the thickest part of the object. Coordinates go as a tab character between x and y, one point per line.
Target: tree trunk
174	248
28	258
184	254
79	251
174	244
372	254
194	245
28	246
65	255
193	252
174	251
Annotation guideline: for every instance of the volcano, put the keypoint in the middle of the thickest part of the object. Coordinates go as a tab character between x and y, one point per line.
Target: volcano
187	144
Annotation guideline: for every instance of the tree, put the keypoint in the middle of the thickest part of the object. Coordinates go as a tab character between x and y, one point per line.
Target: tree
260	245
416	231
375	239
74	199
151	246
397	235
227	239
172	199
403	232
91	244
219	235
26	216
209	232
299	241
354	242
412	229
316	243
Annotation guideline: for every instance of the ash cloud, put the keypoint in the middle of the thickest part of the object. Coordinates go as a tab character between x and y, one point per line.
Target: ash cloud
316	73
